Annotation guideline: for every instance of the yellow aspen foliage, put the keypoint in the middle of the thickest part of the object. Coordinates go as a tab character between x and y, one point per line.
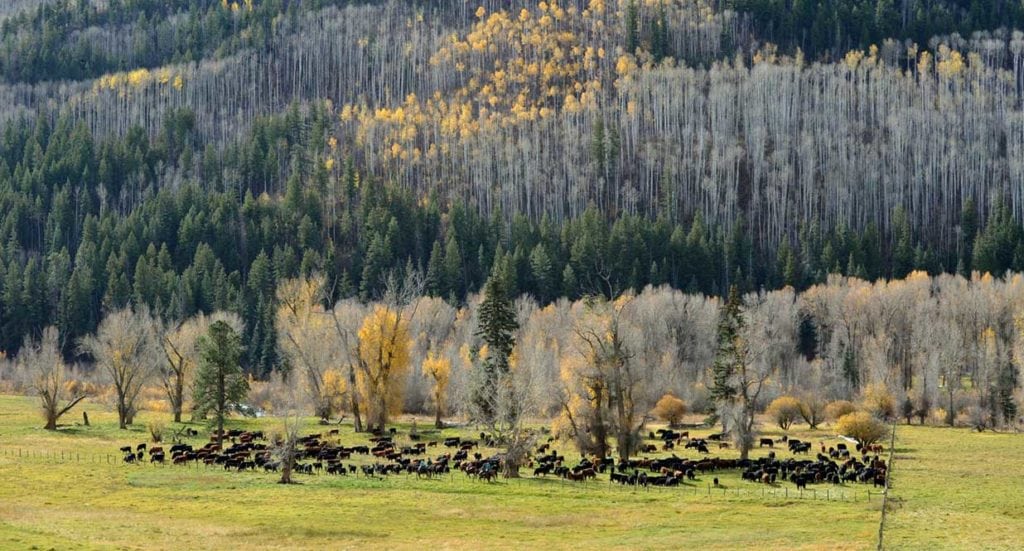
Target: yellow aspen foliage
924	62
138	77
335	388
625	65
951	62
439	370
384	356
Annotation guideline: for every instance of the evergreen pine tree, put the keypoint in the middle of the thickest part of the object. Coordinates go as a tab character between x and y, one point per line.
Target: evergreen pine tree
497	327
728	354
219	377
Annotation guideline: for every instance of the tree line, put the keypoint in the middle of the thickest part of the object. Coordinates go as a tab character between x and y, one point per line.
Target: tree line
938	350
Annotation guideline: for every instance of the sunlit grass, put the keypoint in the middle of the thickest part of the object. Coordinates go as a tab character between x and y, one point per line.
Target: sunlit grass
957	489
83	501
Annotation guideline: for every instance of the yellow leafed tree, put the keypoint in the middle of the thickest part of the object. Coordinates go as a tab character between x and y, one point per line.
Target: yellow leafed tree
384	353
439	370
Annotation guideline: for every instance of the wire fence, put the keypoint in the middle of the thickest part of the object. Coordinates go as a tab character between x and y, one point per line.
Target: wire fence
777	491
888	485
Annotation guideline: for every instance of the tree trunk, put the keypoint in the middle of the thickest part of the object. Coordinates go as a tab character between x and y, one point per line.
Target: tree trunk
437	418
221	406
122	413
745	429
51	422
286	471
357	421
179	397
950	413
382	414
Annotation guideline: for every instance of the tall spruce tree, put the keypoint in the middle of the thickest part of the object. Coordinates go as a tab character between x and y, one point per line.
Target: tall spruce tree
497	327
219	377
728	355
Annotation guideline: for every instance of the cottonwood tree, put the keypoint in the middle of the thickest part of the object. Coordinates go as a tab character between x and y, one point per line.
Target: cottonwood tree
951	370
439	370
436	329
309	341
603	381
384	343
514	404
47	375
127	353
347	317
220	381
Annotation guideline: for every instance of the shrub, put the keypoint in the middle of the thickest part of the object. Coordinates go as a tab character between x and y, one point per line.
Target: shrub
839	408
812	409
862	426
156	430
922	406
784	410
670	409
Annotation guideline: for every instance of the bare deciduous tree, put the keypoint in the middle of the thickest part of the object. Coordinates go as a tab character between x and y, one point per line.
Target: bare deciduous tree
46	374
126	351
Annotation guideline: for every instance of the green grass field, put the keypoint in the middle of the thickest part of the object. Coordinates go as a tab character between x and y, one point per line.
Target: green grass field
81	501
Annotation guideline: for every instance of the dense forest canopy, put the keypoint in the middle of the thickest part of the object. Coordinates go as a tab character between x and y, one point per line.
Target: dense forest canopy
190	155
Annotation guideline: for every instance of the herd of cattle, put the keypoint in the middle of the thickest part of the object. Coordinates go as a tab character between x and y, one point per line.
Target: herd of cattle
319	453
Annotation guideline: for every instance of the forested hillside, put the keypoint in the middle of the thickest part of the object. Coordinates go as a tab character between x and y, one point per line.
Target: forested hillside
189	155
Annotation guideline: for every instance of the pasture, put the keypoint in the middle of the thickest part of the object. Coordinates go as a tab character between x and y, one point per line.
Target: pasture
954	489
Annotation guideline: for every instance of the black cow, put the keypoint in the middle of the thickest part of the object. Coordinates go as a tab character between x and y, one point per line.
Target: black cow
767	442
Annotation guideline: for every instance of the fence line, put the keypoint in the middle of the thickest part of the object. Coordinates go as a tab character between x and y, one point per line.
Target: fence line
885	492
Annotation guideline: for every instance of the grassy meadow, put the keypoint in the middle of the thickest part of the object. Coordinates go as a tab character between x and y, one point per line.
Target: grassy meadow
84	502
